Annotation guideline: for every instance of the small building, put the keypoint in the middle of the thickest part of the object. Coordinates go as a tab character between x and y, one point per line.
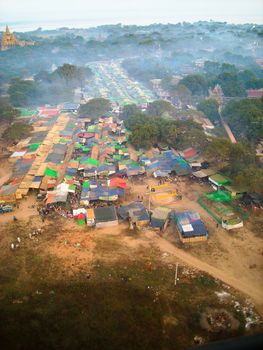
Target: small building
106	216
203	174
218	180
255	93
234	191
70	107
253	199
190	227
136	213
160	218
90	217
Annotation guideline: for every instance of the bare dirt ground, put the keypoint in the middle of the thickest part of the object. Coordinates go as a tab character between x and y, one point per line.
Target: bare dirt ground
27	208
5	171
235	257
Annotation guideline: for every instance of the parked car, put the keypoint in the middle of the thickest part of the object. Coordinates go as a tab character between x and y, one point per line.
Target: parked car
6	209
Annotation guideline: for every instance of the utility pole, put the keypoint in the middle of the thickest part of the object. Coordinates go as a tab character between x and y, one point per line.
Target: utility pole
150	189
176	273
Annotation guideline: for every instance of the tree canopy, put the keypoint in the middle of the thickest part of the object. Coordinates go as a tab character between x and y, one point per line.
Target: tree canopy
129	111
8	113
72	75
209	108
230	84
196	83
94	108
159	107
148	131
48	88
16	132
22	92
246	118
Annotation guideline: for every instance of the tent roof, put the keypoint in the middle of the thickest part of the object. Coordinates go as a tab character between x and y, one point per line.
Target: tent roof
105	214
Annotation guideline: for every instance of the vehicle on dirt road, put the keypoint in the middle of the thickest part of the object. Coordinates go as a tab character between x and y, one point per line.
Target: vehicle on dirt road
6	209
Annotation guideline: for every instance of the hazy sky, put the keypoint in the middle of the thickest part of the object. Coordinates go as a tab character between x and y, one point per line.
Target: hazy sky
94	12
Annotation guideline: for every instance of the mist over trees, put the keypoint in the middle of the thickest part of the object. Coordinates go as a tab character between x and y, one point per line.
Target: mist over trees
51	88
190	59
16	132
94	108
210	108
8	113
246	118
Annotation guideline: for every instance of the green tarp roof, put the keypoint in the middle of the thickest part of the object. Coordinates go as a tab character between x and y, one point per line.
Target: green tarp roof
85	149
92	128
72	187
219	196
220	179
90	161
86	184
26	112
50	172
34	146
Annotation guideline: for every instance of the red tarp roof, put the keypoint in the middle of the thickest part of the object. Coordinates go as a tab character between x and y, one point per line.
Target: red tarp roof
118	182
190	152
255	93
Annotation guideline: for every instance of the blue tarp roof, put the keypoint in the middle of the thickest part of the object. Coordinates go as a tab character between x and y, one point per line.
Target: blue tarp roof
123	211
185	219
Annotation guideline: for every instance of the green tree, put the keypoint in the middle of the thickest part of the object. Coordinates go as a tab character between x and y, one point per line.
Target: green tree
136	121
158	108
72	75
195	138
171	135
145	136
250	178
212	68
231	85
16	132
128	111
209	108
218	150
22	92
166	83
228	68
181	92
8	113
246	118
94	108
196	83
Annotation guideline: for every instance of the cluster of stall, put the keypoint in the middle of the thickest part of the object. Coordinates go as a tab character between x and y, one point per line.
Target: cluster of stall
38	161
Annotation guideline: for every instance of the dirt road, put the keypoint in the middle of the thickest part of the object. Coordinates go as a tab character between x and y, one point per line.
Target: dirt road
256	294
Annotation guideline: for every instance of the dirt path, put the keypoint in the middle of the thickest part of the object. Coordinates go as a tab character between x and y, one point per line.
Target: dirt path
5	171
256	294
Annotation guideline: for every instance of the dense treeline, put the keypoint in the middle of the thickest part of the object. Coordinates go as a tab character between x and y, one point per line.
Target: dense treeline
7	113
233	81
51	88
246	118
238	160
156	126
164	48
240	163
94	108
16	132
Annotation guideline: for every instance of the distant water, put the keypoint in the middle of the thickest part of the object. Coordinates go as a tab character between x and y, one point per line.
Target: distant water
116	18
26	26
